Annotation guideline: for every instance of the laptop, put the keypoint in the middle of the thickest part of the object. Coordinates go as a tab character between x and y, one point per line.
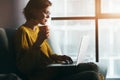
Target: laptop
80	55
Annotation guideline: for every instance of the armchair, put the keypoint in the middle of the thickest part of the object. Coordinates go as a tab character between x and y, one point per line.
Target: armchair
7	54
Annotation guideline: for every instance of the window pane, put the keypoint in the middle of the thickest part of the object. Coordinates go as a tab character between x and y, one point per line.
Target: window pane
110	6
109	44
117	67
109	30
73	8
68	33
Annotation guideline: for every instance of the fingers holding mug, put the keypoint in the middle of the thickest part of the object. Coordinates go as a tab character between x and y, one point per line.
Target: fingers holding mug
44	31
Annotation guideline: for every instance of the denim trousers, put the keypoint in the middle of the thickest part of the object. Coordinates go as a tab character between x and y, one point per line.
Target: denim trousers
83	71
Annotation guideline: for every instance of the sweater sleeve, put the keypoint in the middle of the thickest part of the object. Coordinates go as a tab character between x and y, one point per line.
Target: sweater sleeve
27	55
22	49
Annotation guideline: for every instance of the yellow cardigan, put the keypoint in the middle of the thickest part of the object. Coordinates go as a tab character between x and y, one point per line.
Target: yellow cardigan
29	58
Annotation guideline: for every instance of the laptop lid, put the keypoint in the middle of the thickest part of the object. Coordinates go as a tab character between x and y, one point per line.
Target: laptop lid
82	50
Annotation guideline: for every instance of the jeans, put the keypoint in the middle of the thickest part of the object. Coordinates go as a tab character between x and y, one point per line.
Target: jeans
83	71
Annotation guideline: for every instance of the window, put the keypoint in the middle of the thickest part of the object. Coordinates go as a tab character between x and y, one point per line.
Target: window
73	19
100	19
68	34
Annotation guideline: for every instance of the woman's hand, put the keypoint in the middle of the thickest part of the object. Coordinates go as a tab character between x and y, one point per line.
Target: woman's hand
66	59
42	35
62	59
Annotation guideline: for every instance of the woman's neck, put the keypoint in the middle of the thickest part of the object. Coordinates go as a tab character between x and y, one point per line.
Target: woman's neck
31	24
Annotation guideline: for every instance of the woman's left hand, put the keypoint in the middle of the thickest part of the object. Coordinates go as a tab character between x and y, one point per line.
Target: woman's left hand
62	59
66	59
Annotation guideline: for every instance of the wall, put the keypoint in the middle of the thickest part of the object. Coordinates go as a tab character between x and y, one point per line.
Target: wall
6	13
19	6
11	13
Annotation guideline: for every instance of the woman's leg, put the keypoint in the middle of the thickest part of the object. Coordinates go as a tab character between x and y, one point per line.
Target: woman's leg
84	71
83	68
86	75
87	67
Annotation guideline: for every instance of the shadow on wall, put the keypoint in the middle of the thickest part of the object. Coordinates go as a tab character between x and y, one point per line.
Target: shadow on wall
7	10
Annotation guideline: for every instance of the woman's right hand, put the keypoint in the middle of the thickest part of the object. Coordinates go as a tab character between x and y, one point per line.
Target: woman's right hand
43	34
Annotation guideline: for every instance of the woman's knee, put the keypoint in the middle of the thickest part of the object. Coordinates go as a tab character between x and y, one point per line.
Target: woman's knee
93	66
88	67
92	75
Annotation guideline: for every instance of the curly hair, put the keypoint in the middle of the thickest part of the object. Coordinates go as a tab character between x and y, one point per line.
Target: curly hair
35	4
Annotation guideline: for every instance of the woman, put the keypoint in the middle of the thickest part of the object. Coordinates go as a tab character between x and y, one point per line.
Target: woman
34	52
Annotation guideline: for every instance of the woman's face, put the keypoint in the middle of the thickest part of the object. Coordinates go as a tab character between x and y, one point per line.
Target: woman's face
42	15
